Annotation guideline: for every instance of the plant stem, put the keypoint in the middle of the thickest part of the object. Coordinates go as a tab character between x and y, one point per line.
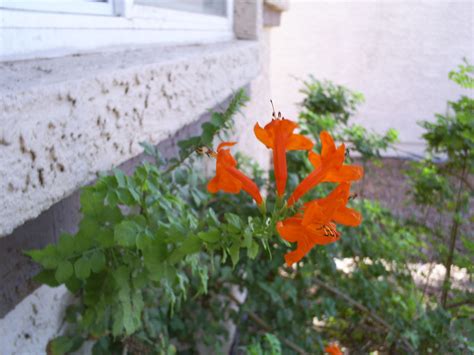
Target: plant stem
265	326
453	237
178	163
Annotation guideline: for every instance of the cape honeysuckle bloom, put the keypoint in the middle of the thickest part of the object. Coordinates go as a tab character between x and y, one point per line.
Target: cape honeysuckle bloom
328	167
316	226
230	179
333	349
278	135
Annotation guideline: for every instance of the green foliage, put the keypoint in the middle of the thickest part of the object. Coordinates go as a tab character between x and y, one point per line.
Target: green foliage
330	107
441	181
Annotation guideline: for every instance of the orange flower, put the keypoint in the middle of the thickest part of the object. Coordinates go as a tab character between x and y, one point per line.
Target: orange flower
230	179
278	135
328	167
316	225
333	349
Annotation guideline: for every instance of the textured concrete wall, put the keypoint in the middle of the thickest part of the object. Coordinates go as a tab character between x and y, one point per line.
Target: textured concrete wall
398	54
64	120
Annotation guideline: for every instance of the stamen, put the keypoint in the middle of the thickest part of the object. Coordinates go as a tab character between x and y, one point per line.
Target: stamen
273	108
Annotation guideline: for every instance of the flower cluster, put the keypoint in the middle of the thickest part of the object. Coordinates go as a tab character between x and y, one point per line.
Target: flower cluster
315	222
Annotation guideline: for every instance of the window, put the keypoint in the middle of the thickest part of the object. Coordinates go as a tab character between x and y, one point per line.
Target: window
212	7
46	28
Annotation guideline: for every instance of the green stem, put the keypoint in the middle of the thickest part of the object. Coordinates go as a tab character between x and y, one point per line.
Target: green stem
178	163
453	237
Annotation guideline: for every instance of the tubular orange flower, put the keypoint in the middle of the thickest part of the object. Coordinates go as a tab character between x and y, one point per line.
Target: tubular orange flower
316	225
278	135
333	349
230	179
328	167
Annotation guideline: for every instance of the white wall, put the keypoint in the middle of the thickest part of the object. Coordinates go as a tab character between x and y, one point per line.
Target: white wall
397	53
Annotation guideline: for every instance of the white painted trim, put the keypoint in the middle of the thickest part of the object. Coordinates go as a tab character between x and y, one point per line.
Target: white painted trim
31	34
76	7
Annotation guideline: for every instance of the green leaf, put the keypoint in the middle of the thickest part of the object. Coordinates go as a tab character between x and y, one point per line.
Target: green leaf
64	271
47	257
126	233
208	132
190	246
211	236
275	345
64	345
234	252
253	250
46	277
65	245
234	222
97	261
120	177
82	268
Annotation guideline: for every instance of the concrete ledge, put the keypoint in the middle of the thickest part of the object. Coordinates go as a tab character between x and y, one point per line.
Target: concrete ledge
63	120
36	320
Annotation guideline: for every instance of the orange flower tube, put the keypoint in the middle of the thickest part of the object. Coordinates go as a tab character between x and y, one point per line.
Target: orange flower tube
329	167
316	226
333	349
278	135
230	179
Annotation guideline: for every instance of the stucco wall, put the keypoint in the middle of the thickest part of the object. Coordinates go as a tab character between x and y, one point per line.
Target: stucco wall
398	54
63	120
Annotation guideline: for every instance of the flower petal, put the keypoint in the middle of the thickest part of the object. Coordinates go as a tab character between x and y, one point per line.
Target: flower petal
327	143
213	185
263	136
290	231
299	142
303	248
344	173
225	144
315	159
347	216
314	213
246	183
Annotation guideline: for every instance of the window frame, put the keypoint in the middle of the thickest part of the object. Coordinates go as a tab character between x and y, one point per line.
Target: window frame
93	8
37	32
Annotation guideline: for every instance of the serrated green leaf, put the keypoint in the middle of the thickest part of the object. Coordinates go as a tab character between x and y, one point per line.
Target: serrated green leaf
64	345
211	236
208	132
65	245
64	271
126	233
234	252
47	257
213	217
234	222
120	177
252	252
97	261
190	246
82	268
47	277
